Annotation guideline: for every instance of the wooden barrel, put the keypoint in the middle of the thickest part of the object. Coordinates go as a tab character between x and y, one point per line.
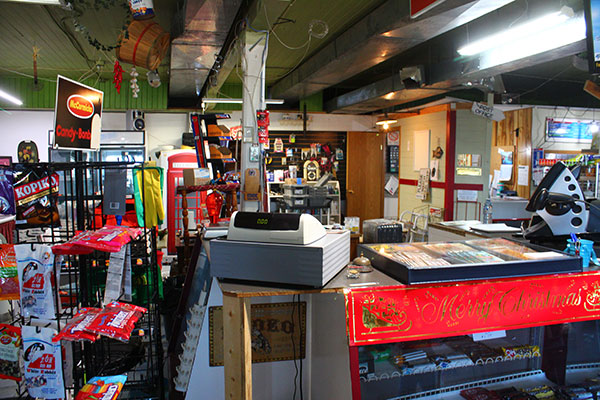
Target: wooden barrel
146	45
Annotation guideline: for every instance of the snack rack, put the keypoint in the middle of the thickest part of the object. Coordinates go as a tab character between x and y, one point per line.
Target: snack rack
81	281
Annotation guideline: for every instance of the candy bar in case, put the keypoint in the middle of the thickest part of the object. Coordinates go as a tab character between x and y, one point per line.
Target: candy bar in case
467	260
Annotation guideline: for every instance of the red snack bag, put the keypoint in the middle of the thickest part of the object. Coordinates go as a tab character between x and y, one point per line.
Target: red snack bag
76	328
9	281
107	238
116	320
10	344
71	248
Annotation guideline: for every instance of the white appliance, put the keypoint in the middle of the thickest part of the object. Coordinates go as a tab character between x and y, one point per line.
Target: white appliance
275	228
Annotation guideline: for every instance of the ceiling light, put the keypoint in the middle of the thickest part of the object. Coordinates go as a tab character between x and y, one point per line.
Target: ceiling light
386	121
537	36
10	98
594	128
223	100
42	2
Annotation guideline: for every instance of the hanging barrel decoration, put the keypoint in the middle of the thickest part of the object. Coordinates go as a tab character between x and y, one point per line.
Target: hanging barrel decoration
146	45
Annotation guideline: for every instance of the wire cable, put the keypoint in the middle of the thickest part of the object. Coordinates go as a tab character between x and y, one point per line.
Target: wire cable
294	348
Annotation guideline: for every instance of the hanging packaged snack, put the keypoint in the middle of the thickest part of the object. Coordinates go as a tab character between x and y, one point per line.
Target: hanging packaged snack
36	194
108	238
43	363
102	387
10	346
36	266
76	328
7	194
9	281
116	320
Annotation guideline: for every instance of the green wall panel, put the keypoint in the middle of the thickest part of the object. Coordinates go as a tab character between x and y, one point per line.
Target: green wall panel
313	103
149	98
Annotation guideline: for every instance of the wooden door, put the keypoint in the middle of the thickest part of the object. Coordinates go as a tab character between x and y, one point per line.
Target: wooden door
365	174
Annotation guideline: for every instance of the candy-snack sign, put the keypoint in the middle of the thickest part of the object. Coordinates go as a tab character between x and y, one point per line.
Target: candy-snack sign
77	115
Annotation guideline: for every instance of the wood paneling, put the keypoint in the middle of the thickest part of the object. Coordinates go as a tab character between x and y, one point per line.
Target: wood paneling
515	130
365	175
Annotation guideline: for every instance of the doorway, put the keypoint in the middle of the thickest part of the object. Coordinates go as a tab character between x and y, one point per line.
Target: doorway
365	175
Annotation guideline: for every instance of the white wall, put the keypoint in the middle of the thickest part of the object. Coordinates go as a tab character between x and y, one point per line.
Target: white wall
16	126
538	126
161	128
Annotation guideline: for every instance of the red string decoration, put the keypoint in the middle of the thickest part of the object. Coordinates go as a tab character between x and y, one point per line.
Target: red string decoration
118	76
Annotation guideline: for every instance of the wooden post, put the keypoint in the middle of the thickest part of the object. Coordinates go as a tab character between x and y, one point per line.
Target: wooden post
237	348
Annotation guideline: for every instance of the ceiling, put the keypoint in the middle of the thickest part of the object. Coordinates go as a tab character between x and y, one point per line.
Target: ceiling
347	53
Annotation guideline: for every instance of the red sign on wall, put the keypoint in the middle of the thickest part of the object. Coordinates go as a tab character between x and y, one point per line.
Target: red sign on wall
402	313
419	7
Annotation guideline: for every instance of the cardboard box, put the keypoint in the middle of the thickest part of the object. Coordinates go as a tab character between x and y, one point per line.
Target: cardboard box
196	176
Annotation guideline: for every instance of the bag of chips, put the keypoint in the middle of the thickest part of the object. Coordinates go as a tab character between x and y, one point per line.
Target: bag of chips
102	387
7	194
43	363
116	320
108	238
76	328
36	266
35	198
9	281
10	346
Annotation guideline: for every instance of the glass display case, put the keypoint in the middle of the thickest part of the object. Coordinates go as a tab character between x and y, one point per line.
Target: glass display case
434	368
472	259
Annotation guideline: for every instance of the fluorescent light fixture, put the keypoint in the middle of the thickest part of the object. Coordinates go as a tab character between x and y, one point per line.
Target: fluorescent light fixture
10	98
534	37
224	100
42	2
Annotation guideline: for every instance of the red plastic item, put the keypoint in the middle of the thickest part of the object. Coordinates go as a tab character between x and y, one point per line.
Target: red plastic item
76	328
214	203
116	320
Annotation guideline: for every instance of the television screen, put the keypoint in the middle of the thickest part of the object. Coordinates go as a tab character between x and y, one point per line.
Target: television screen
570	130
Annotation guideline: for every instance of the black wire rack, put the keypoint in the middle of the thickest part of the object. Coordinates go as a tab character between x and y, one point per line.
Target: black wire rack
81	281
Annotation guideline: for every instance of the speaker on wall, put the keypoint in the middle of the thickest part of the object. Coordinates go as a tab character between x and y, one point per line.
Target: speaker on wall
135	120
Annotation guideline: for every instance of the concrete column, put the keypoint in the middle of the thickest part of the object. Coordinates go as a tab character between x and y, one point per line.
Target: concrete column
254	55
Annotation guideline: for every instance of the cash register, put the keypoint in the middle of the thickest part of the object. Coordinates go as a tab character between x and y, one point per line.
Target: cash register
288	249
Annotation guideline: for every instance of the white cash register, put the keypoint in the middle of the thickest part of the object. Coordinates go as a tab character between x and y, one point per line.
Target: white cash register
293	249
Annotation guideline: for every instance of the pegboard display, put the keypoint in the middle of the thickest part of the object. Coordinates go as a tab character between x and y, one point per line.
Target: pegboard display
302	142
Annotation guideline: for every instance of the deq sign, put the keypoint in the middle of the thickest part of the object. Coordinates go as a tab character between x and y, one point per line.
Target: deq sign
77	115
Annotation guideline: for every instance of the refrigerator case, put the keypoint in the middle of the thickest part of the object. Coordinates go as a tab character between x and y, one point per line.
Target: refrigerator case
467	260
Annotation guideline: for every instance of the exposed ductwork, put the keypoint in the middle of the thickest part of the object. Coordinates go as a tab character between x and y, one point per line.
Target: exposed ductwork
457	73
384	33
194	52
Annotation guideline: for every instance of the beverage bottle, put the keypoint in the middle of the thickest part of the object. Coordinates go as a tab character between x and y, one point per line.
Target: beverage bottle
487	211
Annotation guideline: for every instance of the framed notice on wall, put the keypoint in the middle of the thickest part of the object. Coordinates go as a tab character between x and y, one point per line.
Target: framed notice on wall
77	115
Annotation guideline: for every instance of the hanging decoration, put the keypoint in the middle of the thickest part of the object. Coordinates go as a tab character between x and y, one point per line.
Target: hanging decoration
79	8
153	78
36	82
118	76
135	88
